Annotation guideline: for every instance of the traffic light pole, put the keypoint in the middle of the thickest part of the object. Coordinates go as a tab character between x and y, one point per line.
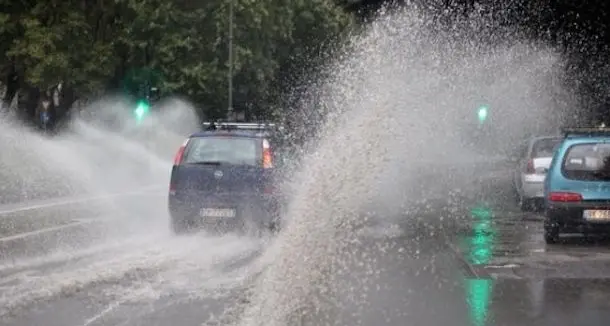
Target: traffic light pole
230	76
147	91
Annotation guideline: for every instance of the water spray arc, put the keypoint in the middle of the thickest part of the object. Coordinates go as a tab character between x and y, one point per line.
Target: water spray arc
402	100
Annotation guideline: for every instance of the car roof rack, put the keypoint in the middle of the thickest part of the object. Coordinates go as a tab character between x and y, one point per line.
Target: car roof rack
253	126
586	132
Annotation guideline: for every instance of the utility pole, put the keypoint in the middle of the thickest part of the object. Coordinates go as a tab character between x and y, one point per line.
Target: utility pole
230	76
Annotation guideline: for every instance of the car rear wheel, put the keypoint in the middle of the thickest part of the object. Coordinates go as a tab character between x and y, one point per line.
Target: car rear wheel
551	234
275	226
180	226
251	229
525	204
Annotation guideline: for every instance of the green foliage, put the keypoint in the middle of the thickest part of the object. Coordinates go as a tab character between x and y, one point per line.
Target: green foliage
55	41
179	46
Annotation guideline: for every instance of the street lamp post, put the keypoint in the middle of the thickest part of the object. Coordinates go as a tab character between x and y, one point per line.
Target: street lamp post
230	76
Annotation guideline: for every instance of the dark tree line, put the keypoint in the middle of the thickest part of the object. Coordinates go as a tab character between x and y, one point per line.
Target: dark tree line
59	51
92	48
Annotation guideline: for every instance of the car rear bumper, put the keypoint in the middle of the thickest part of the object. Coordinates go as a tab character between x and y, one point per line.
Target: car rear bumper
256	208
533	189
569	217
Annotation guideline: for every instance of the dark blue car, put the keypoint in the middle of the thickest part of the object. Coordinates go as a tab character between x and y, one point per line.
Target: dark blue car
577	186
223	180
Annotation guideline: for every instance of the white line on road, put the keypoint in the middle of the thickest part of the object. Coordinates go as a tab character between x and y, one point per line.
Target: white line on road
74	201
102	313
502	266
47	230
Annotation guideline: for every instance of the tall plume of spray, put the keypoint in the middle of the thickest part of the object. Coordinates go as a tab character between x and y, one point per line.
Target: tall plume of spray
402	100
26	170
102	151
109	125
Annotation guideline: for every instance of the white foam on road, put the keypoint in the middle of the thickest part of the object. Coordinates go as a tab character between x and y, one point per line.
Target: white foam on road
382	231
154	266
24	235
14	208
111	307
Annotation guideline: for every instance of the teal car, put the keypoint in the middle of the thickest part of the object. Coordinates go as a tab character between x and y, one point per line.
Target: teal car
577	186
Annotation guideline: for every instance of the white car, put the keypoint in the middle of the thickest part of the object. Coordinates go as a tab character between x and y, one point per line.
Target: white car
532	163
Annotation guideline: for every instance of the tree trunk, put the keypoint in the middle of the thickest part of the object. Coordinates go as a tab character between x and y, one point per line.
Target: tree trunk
67	97
28	102
12	86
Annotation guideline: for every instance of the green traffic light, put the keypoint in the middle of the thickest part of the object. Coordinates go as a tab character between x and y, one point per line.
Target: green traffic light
141	110
482	113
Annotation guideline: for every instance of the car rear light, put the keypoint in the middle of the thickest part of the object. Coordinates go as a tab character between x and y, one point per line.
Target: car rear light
530	167
180	154
267	155
565	197
172	189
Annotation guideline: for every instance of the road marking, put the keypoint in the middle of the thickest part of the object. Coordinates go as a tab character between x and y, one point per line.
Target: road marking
102	313
74	201
502	266
47	230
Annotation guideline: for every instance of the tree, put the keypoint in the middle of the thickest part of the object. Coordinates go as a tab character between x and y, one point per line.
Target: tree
65	41
53	43
10	30
316	32
179	46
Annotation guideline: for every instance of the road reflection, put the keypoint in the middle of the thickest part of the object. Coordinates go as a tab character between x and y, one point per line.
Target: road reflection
479	293
481	242
551	302
539	301
480	245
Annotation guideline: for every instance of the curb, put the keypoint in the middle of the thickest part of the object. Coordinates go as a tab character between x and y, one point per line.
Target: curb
470	269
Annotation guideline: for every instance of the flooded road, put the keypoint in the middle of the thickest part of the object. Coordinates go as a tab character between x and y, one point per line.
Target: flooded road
472	260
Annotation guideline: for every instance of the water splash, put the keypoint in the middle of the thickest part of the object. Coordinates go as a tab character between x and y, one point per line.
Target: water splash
130	248
90	135
102	152
401	121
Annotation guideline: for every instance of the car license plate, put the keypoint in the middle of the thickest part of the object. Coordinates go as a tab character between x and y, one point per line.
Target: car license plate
217	212
597	215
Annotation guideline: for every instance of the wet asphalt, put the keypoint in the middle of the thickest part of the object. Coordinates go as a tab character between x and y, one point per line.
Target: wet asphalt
472	260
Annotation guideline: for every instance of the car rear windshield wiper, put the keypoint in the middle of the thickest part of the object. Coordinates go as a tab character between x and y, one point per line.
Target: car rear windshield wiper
207	163
218	163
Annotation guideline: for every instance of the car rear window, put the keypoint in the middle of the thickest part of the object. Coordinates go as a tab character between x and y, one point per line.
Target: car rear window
589	162
227	150
545	147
